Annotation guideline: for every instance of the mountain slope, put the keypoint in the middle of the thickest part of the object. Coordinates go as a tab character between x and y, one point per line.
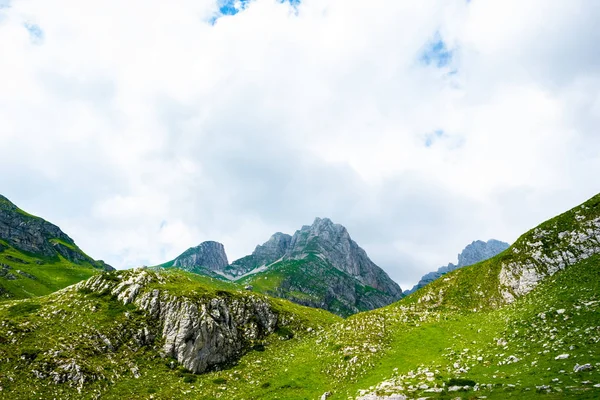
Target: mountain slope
271	251
473	253
457	337
320	266
118	329
208	258
36	257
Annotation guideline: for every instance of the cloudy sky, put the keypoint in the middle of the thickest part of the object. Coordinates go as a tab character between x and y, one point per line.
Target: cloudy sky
142	128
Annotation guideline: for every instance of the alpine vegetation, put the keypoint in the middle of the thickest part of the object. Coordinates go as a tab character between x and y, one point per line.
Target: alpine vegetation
524	324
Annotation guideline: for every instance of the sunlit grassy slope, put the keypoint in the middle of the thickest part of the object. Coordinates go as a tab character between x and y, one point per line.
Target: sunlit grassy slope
455	338
24	274
31	275
401	345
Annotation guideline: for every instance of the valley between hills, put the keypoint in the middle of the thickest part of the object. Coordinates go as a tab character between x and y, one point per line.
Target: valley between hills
305	316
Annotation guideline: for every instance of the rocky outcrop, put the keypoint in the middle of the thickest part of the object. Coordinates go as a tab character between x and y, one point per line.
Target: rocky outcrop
34	235
207	256
551	247
202	333
475	252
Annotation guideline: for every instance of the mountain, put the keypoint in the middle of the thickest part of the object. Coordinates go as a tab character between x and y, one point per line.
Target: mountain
488	330
524	324
268	253
475	252
319	266
208	258
36	257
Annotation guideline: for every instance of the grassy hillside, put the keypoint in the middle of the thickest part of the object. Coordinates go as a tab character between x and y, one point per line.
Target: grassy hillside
313	282
510	350
25	275
36	257
78	340
459	337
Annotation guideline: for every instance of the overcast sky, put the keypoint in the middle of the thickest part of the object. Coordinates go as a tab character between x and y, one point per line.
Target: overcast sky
142	128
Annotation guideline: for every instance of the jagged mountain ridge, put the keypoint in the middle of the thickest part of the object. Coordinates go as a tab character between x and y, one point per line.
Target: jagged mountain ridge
37	257
263	255
323	267
334	242
319	266
473	253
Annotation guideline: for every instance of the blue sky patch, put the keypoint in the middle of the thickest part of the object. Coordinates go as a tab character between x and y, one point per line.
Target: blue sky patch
436	53
232	7
35	32
432	137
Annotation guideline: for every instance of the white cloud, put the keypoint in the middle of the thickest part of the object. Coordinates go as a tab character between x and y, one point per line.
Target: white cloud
141	129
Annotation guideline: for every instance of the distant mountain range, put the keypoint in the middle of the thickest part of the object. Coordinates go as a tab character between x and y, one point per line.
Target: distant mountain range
319	266
475	252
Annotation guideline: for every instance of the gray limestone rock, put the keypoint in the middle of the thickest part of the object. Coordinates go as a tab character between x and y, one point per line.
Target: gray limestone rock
269	252
475	252
333	243
548	249
201	334
207	256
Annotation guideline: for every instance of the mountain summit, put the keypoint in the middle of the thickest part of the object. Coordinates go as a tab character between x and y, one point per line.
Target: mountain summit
475	252
319	266
334	244
207	258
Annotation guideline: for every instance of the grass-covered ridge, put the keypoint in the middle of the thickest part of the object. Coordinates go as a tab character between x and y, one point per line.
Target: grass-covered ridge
552	246
36	257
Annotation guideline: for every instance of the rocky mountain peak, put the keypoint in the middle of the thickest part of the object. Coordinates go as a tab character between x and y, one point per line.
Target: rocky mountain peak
473	253
479	250
333	243
207	255
273	249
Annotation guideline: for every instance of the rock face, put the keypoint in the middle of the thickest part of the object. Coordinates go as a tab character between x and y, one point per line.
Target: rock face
271	251
208	256
475	252
34	235
201	334
333	243
319	266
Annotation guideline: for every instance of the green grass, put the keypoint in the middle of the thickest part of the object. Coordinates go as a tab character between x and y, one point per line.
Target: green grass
308	281
343	357
49	275
456	331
